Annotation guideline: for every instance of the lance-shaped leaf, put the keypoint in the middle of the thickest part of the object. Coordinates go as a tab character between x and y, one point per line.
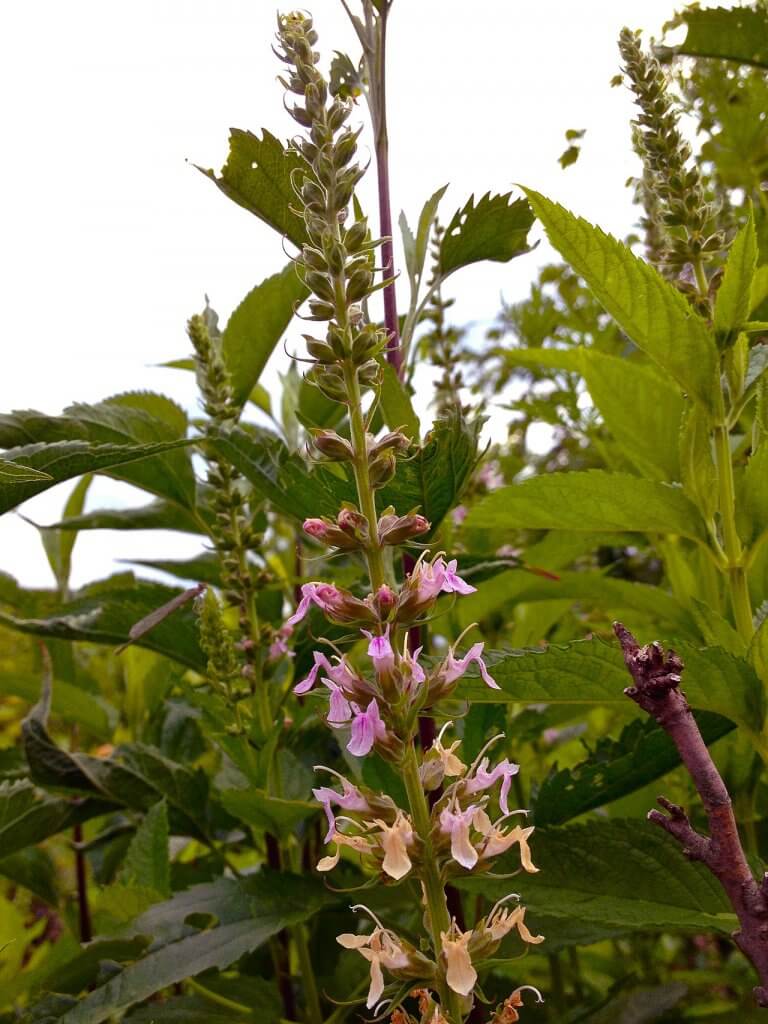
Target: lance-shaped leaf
256	326
157	515
432	479
495	228
14	473
265	812
28	816
733	300
396	404
158	615
277	474
624	874
642	753
248	913
647	307
64	460
594	500
257	176
105	612
593	672
738	34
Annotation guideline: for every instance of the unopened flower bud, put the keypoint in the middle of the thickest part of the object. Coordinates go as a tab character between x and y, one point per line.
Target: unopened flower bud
358	285
320	310
330	445
395	529
352	522
320	350
385	600
329	533
382	469
394	440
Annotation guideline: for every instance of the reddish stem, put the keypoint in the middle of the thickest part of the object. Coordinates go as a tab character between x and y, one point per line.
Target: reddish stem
656	675
81	873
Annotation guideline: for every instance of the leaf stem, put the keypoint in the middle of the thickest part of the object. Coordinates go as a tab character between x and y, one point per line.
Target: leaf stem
737	576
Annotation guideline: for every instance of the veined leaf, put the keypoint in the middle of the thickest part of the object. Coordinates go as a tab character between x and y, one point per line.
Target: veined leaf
158	515
146	862
94	715
594	500
28	816
14	473
64	460
59	544
648	308
738	34
697	464
265	812
256	326
248	914
493	229
434	477
105	612
642	753
585	871
593	672
733	300
752	515
34	869
416	247
257	176
276	474
396	404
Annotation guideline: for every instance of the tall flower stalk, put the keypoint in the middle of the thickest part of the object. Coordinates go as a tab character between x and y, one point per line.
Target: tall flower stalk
378	708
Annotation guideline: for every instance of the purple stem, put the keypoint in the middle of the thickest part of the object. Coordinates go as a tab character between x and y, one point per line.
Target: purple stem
83	907
656	676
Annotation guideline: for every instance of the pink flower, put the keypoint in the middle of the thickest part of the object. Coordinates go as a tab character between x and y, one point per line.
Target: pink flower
454	584
459	514
309	680
456	824
339	708
367	728
380	651
484	779
341	674
339	605
413	673
453	668
351	799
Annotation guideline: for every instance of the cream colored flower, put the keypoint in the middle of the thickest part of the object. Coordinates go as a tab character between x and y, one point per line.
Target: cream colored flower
498	841
395	840
360	844
453	766
381	949
501	921
460	974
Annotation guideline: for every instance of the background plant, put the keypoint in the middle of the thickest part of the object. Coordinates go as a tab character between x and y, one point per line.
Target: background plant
192	732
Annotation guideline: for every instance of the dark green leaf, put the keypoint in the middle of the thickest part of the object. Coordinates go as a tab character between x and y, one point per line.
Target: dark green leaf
733	300
13	473
494	229
256	326
642	753
158	515
591	500
146	862
624	874
592	671
105	612
647	307
739	34
257	176
28	817
265	812
72	703
35	870
396	404
64	460
83	969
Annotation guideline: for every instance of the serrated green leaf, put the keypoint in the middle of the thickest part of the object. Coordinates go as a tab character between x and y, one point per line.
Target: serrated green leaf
416	247
82	970
64	460
592	671
204	568
738	34
146	862
276	474
13	473
752	508
396	404
640	409
591	500
59	544
257	176
733	300
648	308
758	651
104	613
584	872
642	753
493	229
257	325
265	812
588	588
697	464
432	479
568	359
95	716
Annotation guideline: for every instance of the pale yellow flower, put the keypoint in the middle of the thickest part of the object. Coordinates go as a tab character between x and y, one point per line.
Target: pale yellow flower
395	840
381	949
460	974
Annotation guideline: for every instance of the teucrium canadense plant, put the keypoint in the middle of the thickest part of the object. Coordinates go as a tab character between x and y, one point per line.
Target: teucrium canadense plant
337	719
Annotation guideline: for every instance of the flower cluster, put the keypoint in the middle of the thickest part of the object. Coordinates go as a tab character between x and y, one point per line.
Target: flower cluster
682	208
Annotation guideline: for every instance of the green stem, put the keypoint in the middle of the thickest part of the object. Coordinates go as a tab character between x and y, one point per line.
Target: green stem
701	278
737	576
434	892
300	938
365	493
214	997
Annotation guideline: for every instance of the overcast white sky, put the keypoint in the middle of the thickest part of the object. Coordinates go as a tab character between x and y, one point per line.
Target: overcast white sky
111	237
